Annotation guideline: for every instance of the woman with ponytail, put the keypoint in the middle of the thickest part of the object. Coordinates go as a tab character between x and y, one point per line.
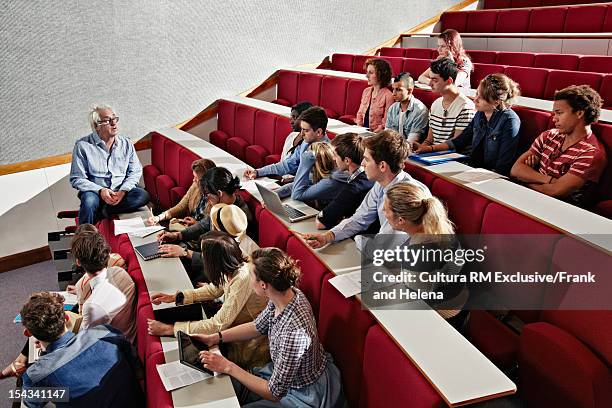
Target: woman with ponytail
301	373
424	218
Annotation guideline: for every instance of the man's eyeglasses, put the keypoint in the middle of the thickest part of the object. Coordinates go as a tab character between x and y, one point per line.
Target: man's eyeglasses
109	121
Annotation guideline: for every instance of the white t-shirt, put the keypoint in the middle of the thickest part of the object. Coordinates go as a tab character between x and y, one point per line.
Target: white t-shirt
103	304
288	144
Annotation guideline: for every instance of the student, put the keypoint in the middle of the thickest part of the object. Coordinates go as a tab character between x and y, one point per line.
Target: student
228	273
191	207
98	366
450	46
566	162
348	154
493	133
453	111
301	373
423	217
105	169
376	98
294	139
316	177
383	160
313	124
407	116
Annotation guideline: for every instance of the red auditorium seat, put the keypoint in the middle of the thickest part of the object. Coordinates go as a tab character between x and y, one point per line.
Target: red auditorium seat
359	62
481	21
557	61
313	272
395	52
243	132
146	343
585	19
419	173
157	396
422	53
272	232
396	64
496	4
333	95
606	91
427	97
596	63
518	59
390	379
558	80
483	57
604	188
263	139
467	218
286	89
354	89
343	62
309	88
482	70
152	171
547	20
415	66
533	122
225	124
455	20
513	21
343	326
532	81
282	129
607	25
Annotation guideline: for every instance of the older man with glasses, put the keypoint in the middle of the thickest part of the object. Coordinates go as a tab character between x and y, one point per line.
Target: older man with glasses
105	169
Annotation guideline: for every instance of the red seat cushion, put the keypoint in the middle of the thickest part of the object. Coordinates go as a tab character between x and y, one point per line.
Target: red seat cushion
333	95
273	158
513	21
309	88
585	19
236	146
272	232
558	80
219	138
482	70
313	271
390	379
343	326
255	156
531	80
557	61
164	184
342	62
493	338
465	208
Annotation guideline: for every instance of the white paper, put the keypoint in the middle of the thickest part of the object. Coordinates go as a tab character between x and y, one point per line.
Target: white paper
141	233
437	157
349	284
176	375
268	183
69	298
477	176
128	225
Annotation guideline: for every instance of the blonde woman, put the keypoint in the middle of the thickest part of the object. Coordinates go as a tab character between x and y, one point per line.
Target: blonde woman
424	218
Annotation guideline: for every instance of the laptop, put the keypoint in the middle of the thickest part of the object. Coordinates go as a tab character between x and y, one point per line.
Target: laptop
297	211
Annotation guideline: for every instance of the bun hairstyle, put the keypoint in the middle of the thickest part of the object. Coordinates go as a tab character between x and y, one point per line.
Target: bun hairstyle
420	208
499	88
219	179
276	268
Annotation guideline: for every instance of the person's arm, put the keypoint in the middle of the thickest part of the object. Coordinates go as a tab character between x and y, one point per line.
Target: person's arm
194	231
508	143
460	142
134	169
418	125
390	116
242	332
287	166
206	292
561	187
78	172
365	215
363	106
182	208
388	102
425	77
525	173
301	182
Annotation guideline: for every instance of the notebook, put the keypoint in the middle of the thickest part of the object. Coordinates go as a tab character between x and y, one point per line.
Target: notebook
437	157
148	251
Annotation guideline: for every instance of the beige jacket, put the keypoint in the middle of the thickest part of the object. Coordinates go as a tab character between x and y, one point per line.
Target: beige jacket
187	205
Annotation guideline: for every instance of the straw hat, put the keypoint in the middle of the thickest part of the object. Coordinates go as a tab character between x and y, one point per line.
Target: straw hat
229	218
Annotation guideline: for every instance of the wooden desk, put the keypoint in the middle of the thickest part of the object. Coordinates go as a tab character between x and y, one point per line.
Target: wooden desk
454	367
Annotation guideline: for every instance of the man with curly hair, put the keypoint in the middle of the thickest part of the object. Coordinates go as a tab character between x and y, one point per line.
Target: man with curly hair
566	162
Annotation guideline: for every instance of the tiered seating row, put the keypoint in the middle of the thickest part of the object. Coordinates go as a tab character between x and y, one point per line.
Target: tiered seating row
540	83
570	62
500	4
563	19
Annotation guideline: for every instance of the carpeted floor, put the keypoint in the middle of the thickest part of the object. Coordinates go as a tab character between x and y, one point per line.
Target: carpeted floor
16	286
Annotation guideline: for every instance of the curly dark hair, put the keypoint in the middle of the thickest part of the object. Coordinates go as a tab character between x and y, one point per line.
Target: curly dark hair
43	316
382	68
91	250
582	98
276	268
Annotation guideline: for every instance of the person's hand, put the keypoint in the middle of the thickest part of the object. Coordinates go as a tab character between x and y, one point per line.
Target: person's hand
159	329
71	289
208	339
250	174
154	220
189	221
167	236
418	148
171	251
16	368
106	195
215	362
159	298
319	225
317	240
532	161
118	196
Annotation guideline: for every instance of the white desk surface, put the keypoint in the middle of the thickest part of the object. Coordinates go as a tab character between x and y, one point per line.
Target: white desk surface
464	376
168	275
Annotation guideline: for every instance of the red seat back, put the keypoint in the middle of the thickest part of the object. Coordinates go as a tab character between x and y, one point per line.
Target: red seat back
585	19
481	21
518	59
342	62
333	94
483	57
513	21
531	80
547	20
286	89
558	80
482	70
557	61
466	217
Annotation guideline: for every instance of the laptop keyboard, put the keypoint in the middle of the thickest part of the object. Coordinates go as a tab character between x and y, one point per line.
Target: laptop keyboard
292	212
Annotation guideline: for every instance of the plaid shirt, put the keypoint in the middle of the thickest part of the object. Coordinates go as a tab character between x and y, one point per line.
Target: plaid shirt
297	355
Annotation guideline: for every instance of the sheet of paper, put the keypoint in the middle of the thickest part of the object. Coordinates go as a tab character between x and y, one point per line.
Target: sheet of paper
176	375
349	284
128	225
143	232
477	175
33	351
438	157
69	298
269	183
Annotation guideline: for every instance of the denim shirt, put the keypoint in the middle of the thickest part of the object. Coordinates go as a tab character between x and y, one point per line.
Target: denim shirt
494	142
415	120
290	164
95	167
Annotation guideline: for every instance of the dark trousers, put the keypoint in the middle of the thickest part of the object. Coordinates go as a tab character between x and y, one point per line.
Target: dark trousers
94	208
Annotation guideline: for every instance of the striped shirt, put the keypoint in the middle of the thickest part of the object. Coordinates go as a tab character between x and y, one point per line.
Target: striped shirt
445	122
297	355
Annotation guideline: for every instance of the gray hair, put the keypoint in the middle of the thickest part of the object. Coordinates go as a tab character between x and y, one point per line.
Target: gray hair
94	114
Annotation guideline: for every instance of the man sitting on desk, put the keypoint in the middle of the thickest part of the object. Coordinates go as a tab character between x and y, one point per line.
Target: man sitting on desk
313	123
566	162
383	160
105	169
